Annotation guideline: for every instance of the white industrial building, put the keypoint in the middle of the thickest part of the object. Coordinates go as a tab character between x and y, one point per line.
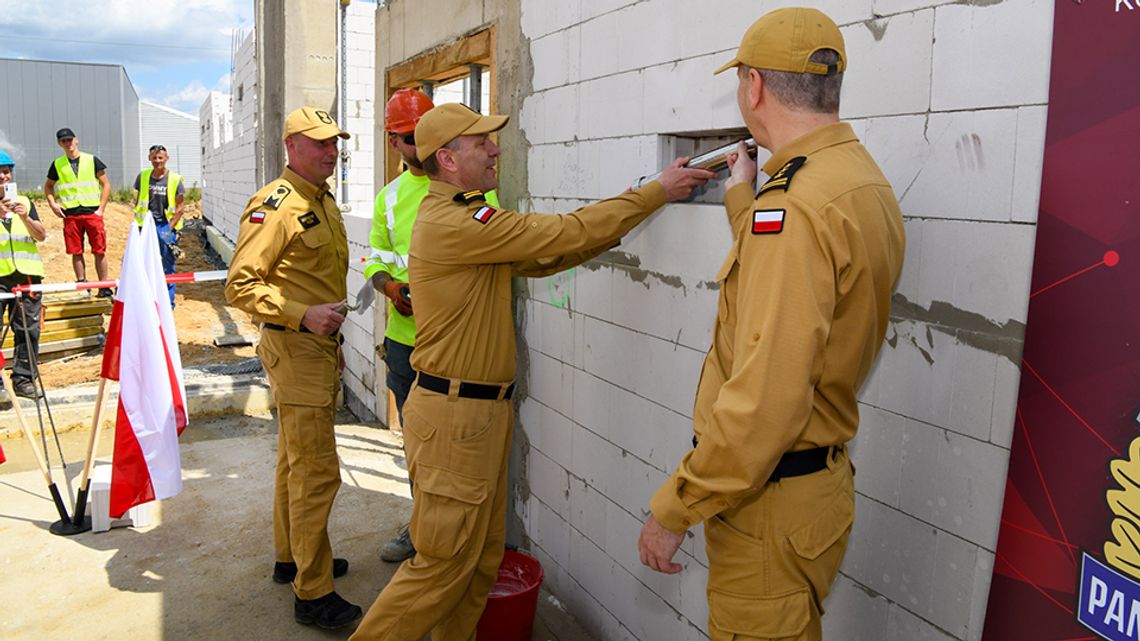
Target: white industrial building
175	130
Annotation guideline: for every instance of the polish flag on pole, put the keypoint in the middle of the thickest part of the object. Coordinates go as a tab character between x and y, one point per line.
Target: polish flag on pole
142	354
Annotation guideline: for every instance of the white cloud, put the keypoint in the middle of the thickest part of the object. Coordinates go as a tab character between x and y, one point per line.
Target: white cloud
172	30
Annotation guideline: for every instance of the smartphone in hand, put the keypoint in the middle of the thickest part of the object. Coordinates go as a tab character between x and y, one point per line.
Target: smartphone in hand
10	191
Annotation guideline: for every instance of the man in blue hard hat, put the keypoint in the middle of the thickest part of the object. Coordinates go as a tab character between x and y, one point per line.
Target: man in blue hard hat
20	264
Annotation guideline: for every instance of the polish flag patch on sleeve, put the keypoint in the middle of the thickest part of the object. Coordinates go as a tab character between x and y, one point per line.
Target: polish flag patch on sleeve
257	217
767	221
483	214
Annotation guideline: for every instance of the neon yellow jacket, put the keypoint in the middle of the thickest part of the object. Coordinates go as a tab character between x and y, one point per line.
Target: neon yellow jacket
82	190
142	207
18	250
393	215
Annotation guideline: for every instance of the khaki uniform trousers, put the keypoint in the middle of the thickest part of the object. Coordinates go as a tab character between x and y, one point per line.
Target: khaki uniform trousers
773	558
302	370
457	458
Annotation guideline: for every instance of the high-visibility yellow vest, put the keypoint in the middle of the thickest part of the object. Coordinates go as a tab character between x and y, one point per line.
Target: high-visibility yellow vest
18	251
393	215
143	204
83	190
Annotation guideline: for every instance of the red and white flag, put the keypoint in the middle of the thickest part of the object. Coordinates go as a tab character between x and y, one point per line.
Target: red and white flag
142	354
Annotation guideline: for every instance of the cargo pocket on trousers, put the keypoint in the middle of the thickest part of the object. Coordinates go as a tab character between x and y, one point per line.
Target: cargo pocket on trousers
738	617
444	512
821	543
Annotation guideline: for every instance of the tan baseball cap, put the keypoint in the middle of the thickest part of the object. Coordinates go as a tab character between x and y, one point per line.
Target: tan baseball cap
445	123
785	39
317	124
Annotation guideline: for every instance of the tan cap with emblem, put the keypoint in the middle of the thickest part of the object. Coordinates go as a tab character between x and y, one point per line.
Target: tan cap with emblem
785	39
317	124
445	123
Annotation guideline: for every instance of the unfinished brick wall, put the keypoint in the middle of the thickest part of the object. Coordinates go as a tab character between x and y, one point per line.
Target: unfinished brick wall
950	98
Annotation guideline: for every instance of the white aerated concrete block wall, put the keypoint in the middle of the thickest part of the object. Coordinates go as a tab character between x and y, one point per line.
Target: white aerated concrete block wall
950	99
359	341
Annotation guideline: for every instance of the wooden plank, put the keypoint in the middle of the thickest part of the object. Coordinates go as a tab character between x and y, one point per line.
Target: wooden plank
441	63
234	340
63	334
53	311
94	320
86	342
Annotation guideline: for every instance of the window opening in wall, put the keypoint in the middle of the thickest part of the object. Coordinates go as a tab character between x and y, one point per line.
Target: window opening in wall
695	143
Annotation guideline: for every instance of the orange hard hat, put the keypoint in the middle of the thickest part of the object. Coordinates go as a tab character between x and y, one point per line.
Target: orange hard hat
404	110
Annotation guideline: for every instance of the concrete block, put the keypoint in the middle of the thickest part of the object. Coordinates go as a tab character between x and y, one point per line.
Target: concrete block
649	34
949	165
540	17
610	106
678	96
592	9
551	382
1006	383
891	553
992	54
953	482
659	370
555	58
877	454
598	56
427	24
983	574
1028	163
588	511
550	432
550	330
888	65
889	7
903	625
553	533
854	613
622	532
549	482
957	563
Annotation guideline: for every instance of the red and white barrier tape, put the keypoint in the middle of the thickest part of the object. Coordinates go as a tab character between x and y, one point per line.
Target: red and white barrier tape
44	288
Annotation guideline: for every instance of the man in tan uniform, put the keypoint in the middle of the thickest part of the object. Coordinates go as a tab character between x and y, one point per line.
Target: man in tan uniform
804	297
458	416
289	272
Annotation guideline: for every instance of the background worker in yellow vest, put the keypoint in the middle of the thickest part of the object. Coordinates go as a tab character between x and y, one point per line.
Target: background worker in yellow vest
387	266
20	264
83	194
161	193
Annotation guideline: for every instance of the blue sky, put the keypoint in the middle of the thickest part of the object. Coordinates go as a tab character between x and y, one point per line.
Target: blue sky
175	51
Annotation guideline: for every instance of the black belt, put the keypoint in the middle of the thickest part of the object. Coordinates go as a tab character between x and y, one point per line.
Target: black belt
466	390
282	328
799	463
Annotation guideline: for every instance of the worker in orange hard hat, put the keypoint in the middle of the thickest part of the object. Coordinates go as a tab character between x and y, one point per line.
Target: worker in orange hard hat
387	267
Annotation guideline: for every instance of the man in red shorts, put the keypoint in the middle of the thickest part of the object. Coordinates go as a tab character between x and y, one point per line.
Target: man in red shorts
83	191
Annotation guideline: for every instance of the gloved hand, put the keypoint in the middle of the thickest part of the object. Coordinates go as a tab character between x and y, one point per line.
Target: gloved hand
392	291
167	235
364	297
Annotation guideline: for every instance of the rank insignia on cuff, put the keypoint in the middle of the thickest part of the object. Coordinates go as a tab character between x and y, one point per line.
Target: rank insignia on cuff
483	214
257	217
767	221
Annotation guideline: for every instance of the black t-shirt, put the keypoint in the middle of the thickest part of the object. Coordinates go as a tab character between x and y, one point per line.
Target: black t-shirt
157	202
52	174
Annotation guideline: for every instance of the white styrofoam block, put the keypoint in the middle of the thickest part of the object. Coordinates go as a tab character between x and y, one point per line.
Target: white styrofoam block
876	452
953	482
853	612
888	66
949	165
540	17
555	58
1029	162
599	46
609	107
992	54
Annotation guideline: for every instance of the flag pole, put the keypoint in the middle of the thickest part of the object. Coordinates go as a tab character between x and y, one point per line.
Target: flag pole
44	469
80	520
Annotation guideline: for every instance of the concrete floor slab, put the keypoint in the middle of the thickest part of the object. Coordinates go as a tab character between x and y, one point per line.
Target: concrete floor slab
202	570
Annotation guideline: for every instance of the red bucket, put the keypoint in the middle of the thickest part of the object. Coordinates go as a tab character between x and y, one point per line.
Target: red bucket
509	615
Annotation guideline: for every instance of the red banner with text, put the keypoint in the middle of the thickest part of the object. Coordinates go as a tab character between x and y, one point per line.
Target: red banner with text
1068	552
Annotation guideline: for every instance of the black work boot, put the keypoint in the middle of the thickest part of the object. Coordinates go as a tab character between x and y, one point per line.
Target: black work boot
328	612
286	572
27	389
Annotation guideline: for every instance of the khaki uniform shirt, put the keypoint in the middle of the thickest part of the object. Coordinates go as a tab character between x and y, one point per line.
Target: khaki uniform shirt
463	255
291	253
804	302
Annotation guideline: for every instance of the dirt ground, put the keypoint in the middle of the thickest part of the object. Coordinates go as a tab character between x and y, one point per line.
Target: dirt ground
200	310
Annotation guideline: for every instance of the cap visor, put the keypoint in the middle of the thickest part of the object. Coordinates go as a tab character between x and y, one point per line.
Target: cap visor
324	132
728	65
486	124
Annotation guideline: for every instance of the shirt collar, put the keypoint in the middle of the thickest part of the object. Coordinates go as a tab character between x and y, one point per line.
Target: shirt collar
810	143
304	187
445	189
